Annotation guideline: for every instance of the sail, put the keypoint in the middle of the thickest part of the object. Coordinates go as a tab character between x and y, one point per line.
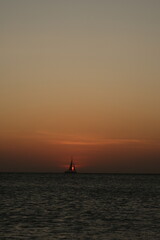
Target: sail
72	168
71	164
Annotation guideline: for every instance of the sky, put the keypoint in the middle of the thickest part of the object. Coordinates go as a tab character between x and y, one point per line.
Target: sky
81	79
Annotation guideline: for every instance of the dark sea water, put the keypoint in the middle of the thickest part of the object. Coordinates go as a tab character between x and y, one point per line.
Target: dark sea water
83	206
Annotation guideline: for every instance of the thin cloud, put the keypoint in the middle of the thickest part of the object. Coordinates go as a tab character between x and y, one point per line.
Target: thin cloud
83	140
69	139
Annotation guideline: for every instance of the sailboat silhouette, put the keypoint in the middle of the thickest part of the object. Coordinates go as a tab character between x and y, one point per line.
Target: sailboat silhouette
72	168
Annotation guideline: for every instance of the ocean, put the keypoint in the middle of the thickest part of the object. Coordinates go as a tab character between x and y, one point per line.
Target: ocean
48	206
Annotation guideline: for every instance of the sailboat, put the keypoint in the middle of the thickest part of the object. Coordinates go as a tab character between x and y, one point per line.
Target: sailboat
72	168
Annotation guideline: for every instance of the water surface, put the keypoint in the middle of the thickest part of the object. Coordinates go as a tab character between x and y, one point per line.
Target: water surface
84	206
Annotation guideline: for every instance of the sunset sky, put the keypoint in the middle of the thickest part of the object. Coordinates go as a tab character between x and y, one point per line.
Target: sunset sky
82	79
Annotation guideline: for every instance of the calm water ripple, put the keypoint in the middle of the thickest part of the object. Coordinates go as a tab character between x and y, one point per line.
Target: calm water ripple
84	206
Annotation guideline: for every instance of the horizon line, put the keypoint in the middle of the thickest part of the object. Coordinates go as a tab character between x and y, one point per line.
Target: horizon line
109	173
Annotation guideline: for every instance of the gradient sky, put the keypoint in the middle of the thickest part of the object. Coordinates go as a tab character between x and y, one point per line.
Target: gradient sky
80	78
